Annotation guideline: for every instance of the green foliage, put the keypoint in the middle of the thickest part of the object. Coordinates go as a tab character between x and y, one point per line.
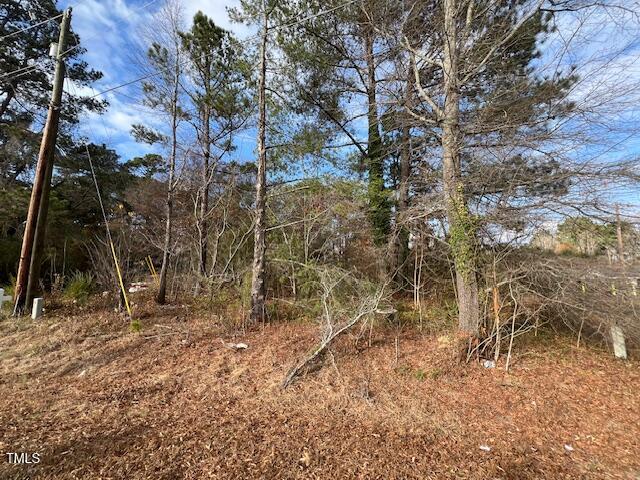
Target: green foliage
146	166
285	311
79	287
9	290
379	208
26	95
437	316
220	77
135	326
462	234
245	291
589	237
419	374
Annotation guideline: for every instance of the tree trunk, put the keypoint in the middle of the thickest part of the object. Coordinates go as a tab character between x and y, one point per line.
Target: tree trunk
461	228
403	193
5	103
206	187
258	287
379	208
162	287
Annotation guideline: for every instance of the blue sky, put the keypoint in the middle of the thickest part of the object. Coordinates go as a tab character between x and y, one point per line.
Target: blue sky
109	31
608	50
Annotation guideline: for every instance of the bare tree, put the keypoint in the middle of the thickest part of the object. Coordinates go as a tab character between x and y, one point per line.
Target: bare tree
162	94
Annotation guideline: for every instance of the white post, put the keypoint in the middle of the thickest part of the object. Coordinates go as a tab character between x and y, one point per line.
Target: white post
36	312
3	298
619	346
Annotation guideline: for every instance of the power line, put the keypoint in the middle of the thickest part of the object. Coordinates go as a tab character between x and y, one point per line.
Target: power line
43	22
8	76
247	40
106	223
20	71
77	45
31	27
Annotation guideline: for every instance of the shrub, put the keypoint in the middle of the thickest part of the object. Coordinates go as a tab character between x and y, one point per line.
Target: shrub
79	287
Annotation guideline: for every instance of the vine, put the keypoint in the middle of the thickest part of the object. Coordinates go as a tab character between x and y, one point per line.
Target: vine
462	234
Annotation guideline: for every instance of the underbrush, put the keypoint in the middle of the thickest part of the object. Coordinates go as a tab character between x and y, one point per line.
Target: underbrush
80	287
434	316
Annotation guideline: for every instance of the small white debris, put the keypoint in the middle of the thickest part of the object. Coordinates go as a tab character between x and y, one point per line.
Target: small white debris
488	364
568	447
235	346
82	373
305	459
138	287
485	448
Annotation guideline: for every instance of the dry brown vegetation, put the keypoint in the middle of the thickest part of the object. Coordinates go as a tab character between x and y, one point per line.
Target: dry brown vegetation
98	401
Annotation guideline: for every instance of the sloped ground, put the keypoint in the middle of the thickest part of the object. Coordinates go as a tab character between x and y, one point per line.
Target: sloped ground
173	402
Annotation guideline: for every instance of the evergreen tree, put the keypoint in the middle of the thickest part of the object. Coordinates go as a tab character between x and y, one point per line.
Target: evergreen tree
25	83
476	86
334	66
218	86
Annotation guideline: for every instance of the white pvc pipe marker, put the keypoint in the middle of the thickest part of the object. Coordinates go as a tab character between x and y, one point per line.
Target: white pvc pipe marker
36	312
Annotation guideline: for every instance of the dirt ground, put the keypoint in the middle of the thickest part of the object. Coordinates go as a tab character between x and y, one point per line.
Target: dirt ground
171	401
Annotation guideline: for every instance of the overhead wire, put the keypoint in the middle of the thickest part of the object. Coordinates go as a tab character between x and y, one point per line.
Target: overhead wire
110	238
30	27
95	180
126	17
247	40
116	261
9	75
31	67
43	22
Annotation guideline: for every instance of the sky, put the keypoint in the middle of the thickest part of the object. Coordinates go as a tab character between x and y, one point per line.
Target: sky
108	31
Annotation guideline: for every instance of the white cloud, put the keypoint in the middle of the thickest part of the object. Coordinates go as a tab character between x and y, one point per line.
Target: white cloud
109	31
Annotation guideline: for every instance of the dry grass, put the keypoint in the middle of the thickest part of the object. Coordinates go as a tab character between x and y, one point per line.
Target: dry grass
172	402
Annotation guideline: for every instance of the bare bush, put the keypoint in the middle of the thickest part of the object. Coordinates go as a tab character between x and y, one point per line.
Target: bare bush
528	290
346	301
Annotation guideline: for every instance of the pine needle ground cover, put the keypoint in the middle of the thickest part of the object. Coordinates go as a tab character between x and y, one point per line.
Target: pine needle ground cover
172	401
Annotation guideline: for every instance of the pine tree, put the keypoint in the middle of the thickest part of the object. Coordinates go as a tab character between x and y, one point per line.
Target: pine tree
25	86
218	95
476	87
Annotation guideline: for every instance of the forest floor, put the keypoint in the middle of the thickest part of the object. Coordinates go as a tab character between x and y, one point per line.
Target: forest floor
97	401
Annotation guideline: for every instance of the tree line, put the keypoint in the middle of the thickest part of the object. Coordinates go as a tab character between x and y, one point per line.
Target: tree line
415	144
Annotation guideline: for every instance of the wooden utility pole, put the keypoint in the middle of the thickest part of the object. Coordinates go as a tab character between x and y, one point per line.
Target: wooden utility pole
258	287
42	175
38	241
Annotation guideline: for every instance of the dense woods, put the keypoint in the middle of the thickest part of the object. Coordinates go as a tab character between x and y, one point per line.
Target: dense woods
410	137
